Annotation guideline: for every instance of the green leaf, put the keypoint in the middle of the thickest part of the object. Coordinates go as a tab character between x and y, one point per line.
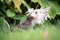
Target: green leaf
8	1
22	19
43	3
2	0
10	13
52	13
55	9
34	0
17	17
4	25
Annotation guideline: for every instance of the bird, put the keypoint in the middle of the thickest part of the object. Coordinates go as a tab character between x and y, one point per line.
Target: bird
26	24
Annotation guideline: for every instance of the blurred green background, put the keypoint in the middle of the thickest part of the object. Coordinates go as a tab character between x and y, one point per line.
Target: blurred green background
13	12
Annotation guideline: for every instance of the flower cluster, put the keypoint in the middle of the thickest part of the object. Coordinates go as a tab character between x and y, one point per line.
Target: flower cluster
39	15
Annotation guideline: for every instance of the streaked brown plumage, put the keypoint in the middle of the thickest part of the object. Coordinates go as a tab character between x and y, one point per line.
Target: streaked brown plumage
26	24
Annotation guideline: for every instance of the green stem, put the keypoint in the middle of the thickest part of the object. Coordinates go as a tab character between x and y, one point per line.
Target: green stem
37	6
26	5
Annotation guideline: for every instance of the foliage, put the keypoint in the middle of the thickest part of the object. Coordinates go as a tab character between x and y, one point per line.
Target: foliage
55	7
10	9
10	13
33	34
13	12
15	9
4	24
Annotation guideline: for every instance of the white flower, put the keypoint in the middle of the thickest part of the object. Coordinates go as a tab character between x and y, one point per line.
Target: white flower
30	11
39	15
